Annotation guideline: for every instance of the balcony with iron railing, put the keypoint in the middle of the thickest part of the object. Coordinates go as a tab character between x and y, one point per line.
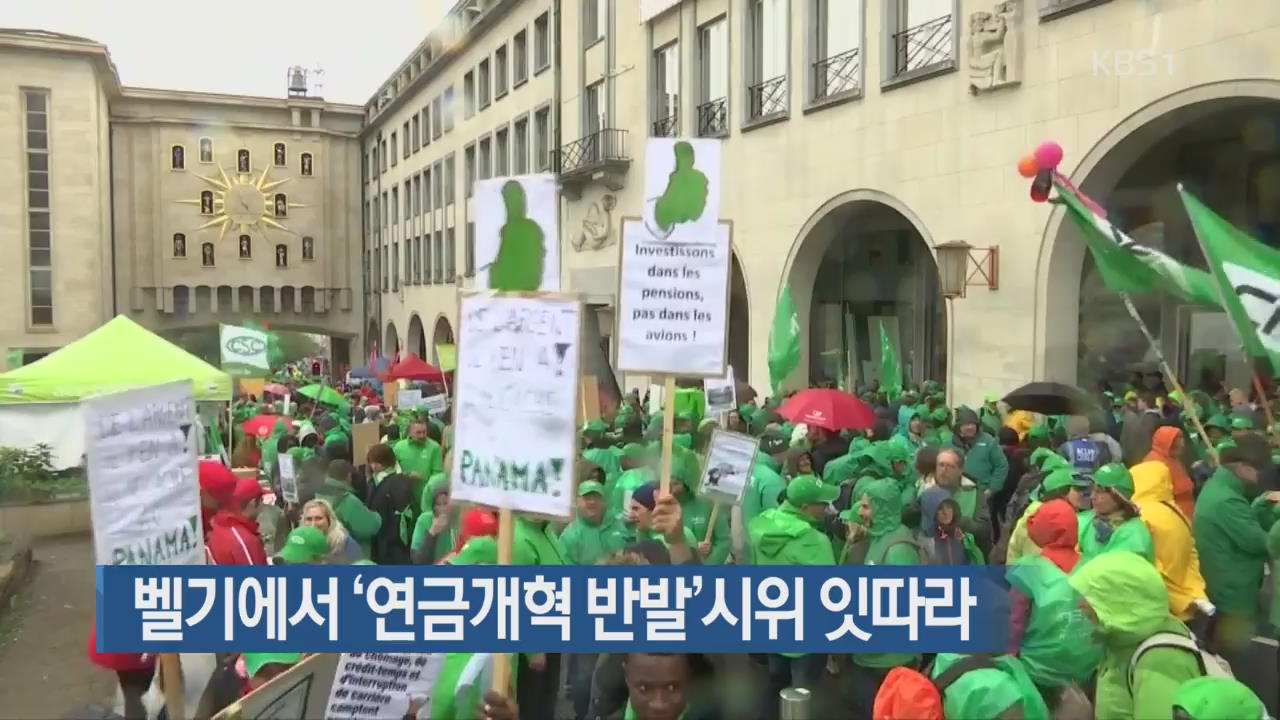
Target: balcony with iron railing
924	48
837	76
713	118
668	126
767	99
600	155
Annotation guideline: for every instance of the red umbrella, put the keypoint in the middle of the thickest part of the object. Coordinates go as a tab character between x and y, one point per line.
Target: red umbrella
830	409
412	367
260	425
276	389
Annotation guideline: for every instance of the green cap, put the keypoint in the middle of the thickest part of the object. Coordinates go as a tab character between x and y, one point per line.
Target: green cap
990	398
1131	395
809	490
1054	462
1114	477
1218	421
1241	423
590	486
1060	478
1039	455
304	545
253	662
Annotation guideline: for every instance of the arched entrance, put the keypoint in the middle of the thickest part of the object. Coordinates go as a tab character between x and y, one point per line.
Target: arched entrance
417	339
739	321
863	262
391	342
442	334
1222	142
371	336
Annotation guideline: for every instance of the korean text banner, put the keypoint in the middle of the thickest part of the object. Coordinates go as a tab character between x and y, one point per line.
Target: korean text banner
776	609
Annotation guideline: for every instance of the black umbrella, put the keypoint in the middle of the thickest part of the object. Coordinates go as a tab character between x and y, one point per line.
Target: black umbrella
1051	398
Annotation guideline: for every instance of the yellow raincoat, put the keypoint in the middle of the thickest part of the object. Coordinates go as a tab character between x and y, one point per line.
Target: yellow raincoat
1175	547
1021	421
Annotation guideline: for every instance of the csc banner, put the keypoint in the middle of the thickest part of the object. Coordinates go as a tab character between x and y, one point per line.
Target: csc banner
244	351
505	609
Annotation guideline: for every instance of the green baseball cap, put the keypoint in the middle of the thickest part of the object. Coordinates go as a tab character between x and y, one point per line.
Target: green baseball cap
303	546
1054	462
990	398
809	490
1241	423
253	662
1061	478
590	486
1114	477
1218	421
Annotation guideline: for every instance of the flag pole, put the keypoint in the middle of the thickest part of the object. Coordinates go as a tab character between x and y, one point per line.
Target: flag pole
1222	298
1168	373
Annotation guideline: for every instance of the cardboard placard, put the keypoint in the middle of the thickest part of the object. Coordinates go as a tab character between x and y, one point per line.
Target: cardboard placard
363	436
436	404
299	692
409	399
727	471
391	394
722	393
288	478
252	386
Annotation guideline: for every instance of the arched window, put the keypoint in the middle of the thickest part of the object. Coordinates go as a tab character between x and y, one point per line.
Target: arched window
279	155
242	161
206	150
282	256
282	205
206	202
246	247
179	245
206	254
308	248
308	166
178	157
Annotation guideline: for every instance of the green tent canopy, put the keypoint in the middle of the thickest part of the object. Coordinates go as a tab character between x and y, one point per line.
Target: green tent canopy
120	355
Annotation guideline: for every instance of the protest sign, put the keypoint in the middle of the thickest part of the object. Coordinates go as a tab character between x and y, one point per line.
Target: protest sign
727	471
409	399
363	436
682	189
436	404
721	393
517	233
447	357
144	495
673	303
516	402
298	692
243	351
383	686
252	386
391	394
288	477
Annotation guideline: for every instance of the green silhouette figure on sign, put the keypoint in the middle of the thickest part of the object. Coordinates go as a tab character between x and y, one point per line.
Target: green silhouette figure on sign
686	195
521	246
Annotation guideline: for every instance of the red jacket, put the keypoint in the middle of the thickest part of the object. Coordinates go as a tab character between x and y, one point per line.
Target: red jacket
234	541
120	662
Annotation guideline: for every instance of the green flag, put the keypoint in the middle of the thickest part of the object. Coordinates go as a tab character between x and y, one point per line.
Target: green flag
1129	267
1248	277
784	341
890	370
13	359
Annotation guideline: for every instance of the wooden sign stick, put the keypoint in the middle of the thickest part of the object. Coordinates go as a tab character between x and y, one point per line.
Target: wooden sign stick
668	429
502	661
172	684
711	522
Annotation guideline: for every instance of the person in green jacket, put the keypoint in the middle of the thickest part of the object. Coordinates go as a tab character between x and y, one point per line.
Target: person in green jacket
990	416
792	534
1215	698
1114	523
639	520
361	523
763	493
1002	690
637	470
697	512
876	516
984	460
591	536
1125	594
1232	541
419	457
598	449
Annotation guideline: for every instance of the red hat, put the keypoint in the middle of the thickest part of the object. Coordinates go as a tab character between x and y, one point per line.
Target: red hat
247	489
476	523
217	480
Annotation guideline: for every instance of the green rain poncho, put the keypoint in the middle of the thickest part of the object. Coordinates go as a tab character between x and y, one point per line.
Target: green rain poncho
983	694
1100	535
697	511
1058	645
267	463
1215	698
888	542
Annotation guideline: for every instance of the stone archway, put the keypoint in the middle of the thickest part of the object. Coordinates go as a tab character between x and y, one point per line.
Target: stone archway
1203	136
864	259
441	334
371	336
391	341
416	342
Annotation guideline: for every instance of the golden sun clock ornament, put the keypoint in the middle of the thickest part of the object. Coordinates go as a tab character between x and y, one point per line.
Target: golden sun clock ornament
243	202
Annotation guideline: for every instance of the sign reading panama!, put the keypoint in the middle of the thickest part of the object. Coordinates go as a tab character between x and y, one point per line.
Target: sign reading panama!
517	401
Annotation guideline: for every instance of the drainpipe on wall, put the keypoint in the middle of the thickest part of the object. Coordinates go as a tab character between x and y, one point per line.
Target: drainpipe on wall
111	198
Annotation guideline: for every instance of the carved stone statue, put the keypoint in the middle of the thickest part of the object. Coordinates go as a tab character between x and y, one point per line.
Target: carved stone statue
995	47
596	225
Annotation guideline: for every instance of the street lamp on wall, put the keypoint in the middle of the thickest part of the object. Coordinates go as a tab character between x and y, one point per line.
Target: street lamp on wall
961	265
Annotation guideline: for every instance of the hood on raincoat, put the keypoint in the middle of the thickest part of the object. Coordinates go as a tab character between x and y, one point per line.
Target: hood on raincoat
1126	593
1211	698
771	532
966	416
1053	527
906	693
905	413
886	505
930	501
1152	482
841	469
987	692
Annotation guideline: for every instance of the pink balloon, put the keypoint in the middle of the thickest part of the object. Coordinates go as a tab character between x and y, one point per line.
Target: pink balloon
1048	155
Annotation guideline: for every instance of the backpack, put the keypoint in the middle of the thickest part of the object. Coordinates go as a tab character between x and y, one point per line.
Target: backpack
925	692
1210	665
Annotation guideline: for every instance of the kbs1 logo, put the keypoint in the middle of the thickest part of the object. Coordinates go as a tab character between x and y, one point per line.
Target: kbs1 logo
1131	63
